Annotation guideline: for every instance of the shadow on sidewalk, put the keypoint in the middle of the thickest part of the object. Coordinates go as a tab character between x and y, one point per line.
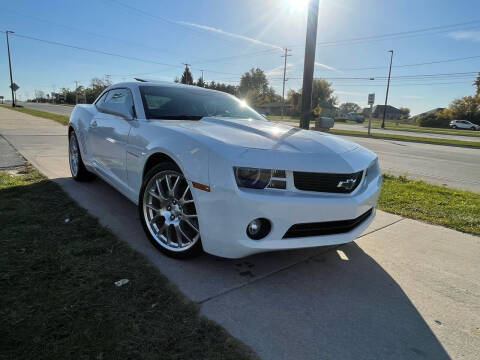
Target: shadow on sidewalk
304	304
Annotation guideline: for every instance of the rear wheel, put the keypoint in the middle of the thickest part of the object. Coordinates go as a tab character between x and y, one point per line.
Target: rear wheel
77	167
168	214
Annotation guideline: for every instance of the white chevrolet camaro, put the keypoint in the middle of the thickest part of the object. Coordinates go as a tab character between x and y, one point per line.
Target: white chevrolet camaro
208	172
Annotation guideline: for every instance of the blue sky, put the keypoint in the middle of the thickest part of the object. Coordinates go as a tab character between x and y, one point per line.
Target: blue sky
227	37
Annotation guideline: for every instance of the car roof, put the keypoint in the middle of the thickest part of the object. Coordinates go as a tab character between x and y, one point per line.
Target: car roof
159	83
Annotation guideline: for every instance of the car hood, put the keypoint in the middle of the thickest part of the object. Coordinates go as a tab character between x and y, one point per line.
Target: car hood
266	135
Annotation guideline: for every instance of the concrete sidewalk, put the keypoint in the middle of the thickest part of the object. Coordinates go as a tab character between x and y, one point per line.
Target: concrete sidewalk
404	289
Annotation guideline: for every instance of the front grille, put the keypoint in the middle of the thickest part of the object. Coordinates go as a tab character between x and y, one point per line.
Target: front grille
326	227
325	182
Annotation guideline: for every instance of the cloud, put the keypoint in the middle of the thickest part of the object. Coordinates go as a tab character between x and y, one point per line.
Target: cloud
226	33
277	70
328	67
465	35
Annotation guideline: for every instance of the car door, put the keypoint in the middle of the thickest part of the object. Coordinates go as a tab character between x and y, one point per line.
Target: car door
108	137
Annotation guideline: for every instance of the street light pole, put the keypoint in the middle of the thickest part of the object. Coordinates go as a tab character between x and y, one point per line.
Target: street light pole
388	87
309	63
10	66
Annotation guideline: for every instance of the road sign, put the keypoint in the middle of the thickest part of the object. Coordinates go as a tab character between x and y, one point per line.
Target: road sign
14	87
371	99
1	97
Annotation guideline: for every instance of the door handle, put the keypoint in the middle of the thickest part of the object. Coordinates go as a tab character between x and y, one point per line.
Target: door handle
93	124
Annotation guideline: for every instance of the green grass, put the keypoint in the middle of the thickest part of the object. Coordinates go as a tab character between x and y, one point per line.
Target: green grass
62	119
415	199
392	125
57	294
403	126
472	144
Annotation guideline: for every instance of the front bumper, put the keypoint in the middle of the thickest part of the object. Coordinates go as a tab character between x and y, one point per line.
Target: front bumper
225	212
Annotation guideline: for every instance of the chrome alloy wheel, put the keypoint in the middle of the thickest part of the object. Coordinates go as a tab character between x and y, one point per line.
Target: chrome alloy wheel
169	211
73	154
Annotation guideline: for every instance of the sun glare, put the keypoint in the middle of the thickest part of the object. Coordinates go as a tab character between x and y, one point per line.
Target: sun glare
296	6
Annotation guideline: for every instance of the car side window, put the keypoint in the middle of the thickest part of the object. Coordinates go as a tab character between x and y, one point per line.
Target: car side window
101	98
121	96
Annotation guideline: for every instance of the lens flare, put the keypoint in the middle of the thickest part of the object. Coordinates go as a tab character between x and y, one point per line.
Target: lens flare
296	6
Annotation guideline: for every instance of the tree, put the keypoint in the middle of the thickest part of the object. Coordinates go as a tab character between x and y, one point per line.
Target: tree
349	107
465	108
200	82
187	77
231	89
477	83
294	97
255	80
322	97
322	94
406	110
97	85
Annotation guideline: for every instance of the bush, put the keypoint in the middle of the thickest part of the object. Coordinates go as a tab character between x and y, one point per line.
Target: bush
437	120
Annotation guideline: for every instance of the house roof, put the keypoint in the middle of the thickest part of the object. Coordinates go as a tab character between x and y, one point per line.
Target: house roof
390	109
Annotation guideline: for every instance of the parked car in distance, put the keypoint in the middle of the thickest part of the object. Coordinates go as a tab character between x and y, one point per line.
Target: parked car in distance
359	118
464	124
208	172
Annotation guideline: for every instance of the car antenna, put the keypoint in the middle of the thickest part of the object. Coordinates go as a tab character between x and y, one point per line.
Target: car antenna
141	80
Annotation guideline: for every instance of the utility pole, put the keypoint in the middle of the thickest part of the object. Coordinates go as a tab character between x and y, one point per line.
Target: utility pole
388	87
309	63
76	94
10	67
284	73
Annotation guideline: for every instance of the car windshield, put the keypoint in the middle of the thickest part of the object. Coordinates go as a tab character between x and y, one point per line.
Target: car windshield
166	102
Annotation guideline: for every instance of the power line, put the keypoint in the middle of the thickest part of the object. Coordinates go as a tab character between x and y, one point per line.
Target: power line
427	31
413	64
57	43
396	77
83	31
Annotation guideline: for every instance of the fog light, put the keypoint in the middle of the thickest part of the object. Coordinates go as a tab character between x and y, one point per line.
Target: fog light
258	228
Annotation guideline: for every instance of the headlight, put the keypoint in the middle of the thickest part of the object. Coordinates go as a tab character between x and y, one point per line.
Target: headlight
252	178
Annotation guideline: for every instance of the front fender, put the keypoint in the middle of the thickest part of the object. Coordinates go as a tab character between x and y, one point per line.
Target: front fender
191	156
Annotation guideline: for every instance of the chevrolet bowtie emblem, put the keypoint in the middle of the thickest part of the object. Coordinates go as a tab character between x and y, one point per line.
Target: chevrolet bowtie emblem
348	184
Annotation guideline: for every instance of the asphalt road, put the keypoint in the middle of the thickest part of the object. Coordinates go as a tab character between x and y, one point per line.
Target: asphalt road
363	128
403	290
452	166
442	165
57	109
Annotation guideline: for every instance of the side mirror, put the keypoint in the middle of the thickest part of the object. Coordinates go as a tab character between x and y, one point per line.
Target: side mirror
117	109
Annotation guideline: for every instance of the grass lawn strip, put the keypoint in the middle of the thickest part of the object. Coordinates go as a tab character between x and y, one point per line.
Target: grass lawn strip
58	299
435	141
62	119
415	199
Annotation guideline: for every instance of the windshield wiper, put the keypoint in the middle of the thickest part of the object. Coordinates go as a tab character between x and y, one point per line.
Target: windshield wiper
179	117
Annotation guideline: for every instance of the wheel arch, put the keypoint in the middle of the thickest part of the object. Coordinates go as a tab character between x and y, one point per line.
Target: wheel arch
157	158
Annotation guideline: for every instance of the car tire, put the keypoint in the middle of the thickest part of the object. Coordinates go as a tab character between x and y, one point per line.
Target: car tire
77	167
168	213
473	128
454	127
